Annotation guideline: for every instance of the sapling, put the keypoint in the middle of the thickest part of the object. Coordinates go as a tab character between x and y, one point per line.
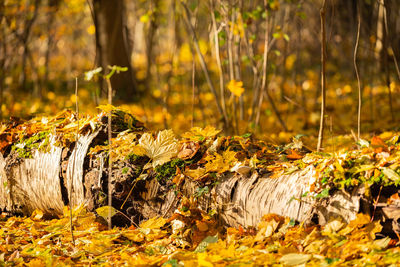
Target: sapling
89	75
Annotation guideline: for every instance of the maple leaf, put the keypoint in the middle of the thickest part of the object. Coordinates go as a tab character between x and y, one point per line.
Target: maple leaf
220	163
160	150
199	134
236	87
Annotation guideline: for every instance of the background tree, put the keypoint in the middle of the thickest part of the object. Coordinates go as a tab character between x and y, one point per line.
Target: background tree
113	45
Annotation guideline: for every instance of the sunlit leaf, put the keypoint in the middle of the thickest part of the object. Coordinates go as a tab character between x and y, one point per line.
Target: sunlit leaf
104	212
391	174
107	107
159	150
154	223
90	74
199	134
236	87
293	259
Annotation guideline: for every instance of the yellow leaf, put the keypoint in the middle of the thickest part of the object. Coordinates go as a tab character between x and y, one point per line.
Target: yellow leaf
37	215
196	174
160	150
220	163
36	263
236	87
216	164
104	212
91	29
154	223
292	259
107	107
137	150
199	134
202	260
229	156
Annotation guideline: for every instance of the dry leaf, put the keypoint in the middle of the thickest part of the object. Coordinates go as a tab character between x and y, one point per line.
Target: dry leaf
160	150
199	134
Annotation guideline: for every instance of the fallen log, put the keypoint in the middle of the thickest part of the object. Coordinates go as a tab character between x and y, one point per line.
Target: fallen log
43	180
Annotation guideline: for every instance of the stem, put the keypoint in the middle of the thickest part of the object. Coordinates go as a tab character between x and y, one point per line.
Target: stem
218	58
264	87
133	186
358	76
109	153
323	82
73	166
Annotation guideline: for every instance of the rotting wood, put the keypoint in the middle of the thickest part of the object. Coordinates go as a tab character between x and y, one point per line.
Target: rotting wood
239	200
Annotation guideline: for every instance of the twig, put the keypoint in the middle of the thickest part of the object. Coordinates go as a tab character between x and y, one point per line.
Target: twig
323	82
133	186
376	203
358	76
74	163
193	78
264	88
218	59
109	152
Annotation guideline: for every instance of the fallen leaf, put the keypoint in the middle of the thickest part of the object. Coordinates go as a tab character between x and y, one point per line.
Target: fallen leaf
292	259
154	223
160	150
200	134
104	212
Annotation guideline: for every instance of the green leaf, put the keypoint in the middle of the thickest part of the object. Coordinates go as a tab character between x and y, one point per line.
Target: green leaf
104	212
324	193
246	135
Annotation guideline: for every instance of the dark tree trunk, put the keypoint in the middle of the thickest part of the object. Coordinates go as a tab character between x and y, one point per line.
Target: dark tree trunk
113	45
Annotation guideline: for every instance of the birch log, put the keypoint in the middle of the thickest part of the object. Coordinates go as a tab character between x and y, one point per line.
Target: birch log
39	182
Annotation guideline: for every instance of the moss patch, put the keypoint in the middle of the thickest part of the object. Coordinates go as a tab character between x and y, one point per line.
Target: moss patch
39	141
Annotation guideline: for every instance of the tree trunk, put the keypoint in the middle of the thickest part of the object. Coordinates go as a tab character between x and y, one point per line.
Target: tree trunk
113	45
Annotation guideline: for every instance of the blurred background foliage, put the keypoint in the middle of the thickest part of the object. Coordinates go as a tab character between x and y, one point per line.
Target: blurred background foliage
244	66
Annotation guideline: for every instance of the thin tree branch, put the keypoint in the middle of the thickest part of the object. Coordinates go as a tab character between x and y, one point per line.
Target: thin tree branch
201	59
358	76
323	82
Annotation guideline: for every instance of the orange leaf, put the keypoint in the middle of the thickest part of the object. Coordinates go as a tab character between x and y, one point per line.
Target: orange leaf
378	144
294	155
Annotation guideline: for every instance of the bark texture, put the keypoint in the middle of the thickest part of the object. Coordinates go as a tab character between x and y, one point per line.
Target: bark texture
42	182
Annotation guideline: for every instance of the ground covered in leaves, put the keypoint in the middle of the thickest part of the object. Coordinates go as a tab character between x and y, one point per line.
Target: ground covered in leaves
191	239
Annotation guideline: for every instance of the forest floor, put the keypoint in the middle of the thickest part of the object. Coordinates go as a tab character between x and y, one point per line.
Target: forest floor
192	237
